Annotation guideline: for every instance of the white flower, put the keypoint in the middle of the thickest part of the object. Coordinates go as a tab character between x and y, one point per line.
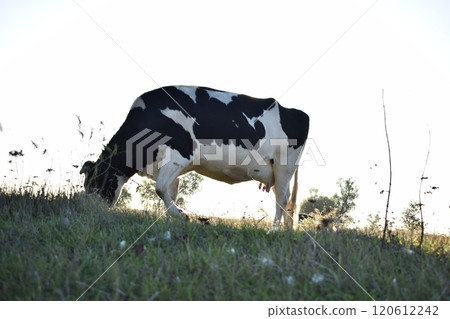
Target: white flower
167	235
151	239
232	251
266	261
290	280
122	244
316	278
394	282
408	251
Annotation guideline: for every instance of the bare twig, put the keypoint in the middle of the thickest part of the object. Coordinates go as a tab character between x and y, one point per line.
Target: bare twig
390	174
422	228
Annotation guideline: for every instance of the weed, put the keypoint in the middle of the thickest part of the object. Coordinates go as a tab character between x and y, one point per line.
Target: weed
55	245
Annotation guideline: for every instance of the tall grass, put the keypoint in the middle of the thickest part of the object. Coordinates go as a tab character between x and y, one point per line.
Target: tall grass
55	245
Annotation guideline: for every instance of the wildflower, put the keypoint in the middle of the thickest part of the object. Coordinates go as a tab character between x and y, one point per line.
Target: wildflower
122	244
167	235
267	261
408	251
316	278
151	239
290	280
232	251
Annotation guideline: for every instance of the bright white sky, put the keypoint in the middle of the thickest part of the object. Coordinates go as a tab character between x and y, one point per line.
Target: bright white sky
55	63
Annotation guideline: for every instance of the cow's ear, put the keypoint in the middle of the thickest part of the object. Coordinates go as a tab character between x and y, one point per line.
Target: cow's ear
87	167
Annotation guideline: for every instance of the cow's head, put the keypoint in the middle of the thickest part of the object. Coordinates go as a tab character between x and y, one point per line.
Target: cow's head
102	179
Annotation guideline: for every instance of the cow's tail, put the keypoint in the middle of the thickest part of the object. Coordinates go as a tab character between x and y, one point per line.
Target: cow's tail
291	207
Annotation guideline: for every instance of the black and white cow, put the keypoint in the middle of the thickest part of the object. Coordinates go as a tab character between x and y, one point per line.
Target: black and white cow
226	136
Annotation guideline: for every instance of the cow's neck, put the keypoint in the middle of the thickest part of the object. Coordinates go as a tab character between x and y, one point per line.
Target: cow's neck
116	158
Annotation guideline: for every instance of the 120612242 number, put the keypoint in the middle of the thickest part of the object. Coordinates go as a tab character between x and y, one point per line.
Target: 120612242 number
405	310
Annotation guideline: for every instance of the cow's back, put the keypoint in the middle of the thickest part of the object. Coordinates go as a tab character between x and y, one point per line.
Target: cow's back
188	114
214	114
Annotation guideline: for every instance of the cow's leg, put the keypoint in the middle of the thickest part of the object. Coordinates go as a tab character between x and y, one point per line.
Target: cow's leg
167	188
290	215
173	190
283	175
281	196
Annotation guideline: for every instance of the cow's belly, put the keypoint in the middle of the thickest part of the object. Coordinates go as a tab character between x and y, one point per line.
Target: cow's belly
234	164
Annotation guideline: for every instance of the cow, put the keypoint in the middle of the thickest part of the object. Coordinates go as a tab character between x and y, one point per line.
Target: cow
229	137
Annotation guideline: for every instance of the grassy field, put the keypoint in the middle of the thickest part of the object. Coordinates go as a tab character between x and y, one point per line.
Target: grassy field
54	248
